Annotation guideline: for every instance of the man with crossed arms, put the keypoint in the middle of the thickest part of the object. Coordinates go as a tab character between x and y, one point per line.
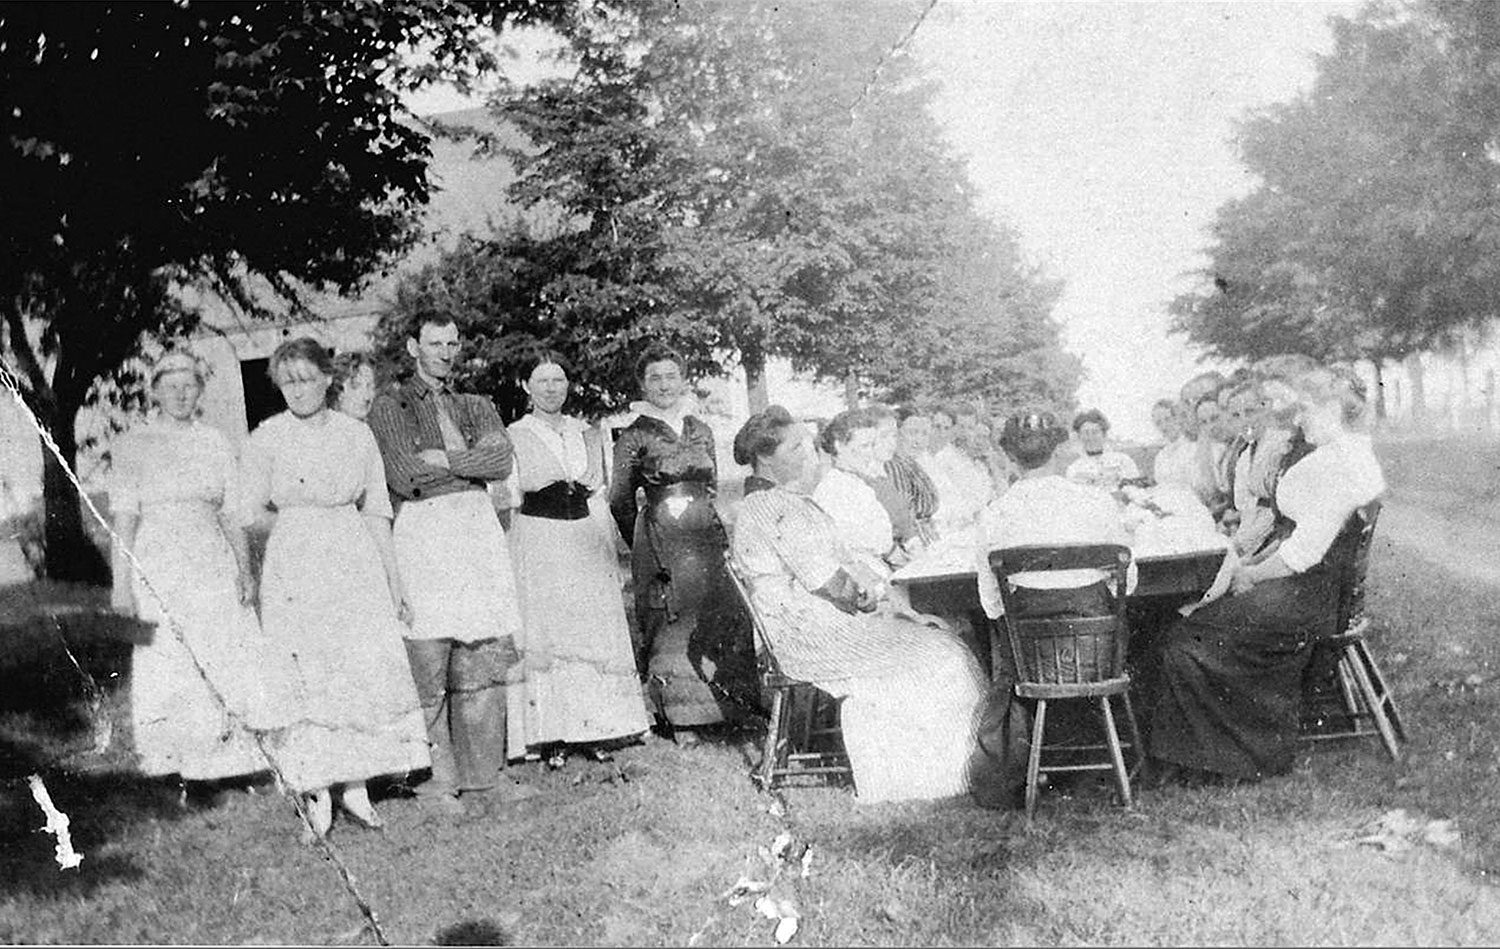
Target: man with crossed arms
441	449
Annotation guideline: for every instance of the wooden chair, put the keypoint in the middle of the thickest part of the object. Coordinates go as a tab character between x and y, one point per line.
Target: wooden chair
1344	694
1066	658
803	735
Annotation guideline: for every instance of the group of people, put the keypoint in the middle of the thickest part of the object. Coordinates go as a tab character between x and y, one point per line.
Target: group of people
818	537
399	628
396	626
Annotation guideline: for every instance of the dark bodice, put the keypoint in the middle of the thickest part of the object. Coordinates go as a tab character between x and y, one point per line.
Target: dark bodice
649	454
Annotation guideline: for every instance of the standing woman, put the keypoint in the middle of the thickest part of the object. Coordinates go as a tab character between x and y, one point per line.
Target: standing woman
692	635
581	684
172	479
330	594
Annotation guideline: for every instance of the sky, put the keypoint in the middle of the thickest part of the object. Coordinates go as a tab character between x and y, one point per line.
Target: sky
1103	133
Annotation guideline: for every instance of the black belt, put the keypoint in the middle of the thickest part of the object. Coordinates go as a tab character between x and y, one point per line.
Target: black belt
678	489
558	501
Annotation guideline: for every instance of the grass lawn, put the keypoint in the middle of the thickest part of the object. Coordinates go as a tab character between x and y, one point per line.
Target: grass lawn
643	850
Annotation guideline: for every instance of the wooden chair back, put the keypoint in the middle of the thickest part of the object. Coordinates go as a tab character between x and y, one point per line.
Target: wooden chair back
1065	650
1353	552
771	675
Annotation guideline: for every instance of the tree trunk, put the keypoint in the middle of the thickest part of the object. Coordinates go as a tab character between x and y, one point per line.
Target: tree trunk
70	555
851	390
754	364
1418	389
1380	409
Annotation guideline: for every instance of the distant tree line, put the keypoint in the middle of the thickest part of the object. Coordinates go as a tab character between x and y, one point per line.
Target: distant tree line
1373	232
745	181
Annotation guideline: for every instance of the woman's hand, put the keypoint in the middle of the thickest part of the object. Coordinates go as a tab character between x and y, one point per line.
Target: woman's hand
247	586
122	599
1242	581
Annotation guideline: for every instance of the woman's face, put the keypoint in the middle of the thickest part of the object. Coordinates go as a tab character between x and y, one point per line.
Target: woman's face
942	430
177	393
1321	422
1207	414
548	388
916	435
792	460
1164	417
358	393
303	385
1091	437
858	453
886	436
662	383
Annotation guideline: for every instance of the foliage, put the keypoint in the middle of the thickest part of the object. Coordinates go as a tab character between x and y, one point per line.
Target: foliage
251	149
1372	232
737	180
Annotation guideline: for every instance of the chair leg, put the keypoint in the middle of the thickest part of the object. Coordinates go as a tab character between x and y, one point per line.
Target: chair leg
1136	743
1374	701
771	755
1386	702
1122	779
1034	762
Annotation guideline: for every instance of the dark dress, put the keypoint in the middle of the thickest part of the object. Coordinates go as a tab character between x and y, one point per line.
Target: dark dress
1230	686
692	636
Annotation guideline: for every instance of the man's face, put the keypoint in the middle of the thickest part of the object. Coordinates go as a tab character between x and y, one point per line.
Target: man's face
1246	410
435	350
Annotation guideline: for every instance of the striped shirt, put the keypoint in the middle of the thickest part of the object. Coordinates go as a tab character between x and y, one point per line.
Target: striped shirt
405	424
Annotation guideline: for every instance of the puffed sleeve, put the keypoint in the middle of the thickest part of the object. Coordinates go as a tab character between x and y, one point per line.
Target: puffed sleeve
624	479
1332	485
376	500
254	479
125	476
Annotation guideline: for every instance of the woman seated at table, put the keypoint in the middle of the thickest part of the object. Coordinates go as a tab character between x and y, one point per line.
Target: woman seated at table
1099	466
1045	508
845	494
912	692
1232	672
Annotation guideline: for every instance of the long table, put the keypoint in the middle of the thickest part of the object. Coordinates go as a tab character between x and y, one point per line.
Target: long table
955	592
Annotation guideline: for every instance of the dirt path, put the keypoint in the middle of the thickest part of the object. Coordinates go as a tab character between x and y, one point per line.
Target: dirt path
1462	539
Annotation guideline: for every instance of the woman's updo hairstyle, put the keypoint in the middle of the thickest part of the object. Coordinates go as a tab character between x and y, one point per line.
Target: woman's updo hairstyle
345	367
843	425
1031	439
179	360
761	434
301	349
550	357
655	353
1087	416
1334	384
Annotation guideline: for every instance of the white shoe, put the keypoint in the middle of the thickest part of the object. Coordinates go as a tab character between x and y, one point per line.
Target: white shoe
356	803
319	815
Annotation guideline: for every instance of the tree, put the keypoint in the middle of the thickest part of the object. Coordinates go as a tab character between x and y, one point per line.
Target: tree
1373	232
254	150
739	180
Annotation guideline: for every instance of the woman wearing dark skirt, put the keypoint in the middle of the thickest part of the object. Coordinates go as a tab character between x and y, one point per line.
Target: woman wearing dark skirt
692	635
1231	673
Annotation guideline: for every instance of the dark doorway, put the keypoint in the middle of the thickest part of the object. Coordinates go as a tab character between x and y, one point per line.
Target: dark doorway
262	398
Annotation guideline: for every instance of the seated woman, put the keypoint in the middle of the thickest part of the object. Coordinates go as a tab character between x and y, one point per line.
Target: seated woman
1044	508
844	492
1099	466
1231	673
912	693
1176	460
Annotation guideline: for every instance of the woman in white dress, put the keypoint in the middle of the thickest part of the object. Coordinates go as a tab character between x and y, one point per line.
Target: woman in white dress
330	594
913	694
845	494
581	685
190	575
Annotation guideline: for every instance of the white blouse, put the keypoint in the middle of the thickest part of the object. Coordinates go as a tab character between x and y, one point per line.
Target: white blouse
1105	470
858	516
1046	511
1321	491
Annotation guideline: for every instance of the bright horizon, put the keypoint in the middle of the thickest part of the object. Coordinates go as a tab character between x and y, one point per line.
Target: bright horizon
1102	132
